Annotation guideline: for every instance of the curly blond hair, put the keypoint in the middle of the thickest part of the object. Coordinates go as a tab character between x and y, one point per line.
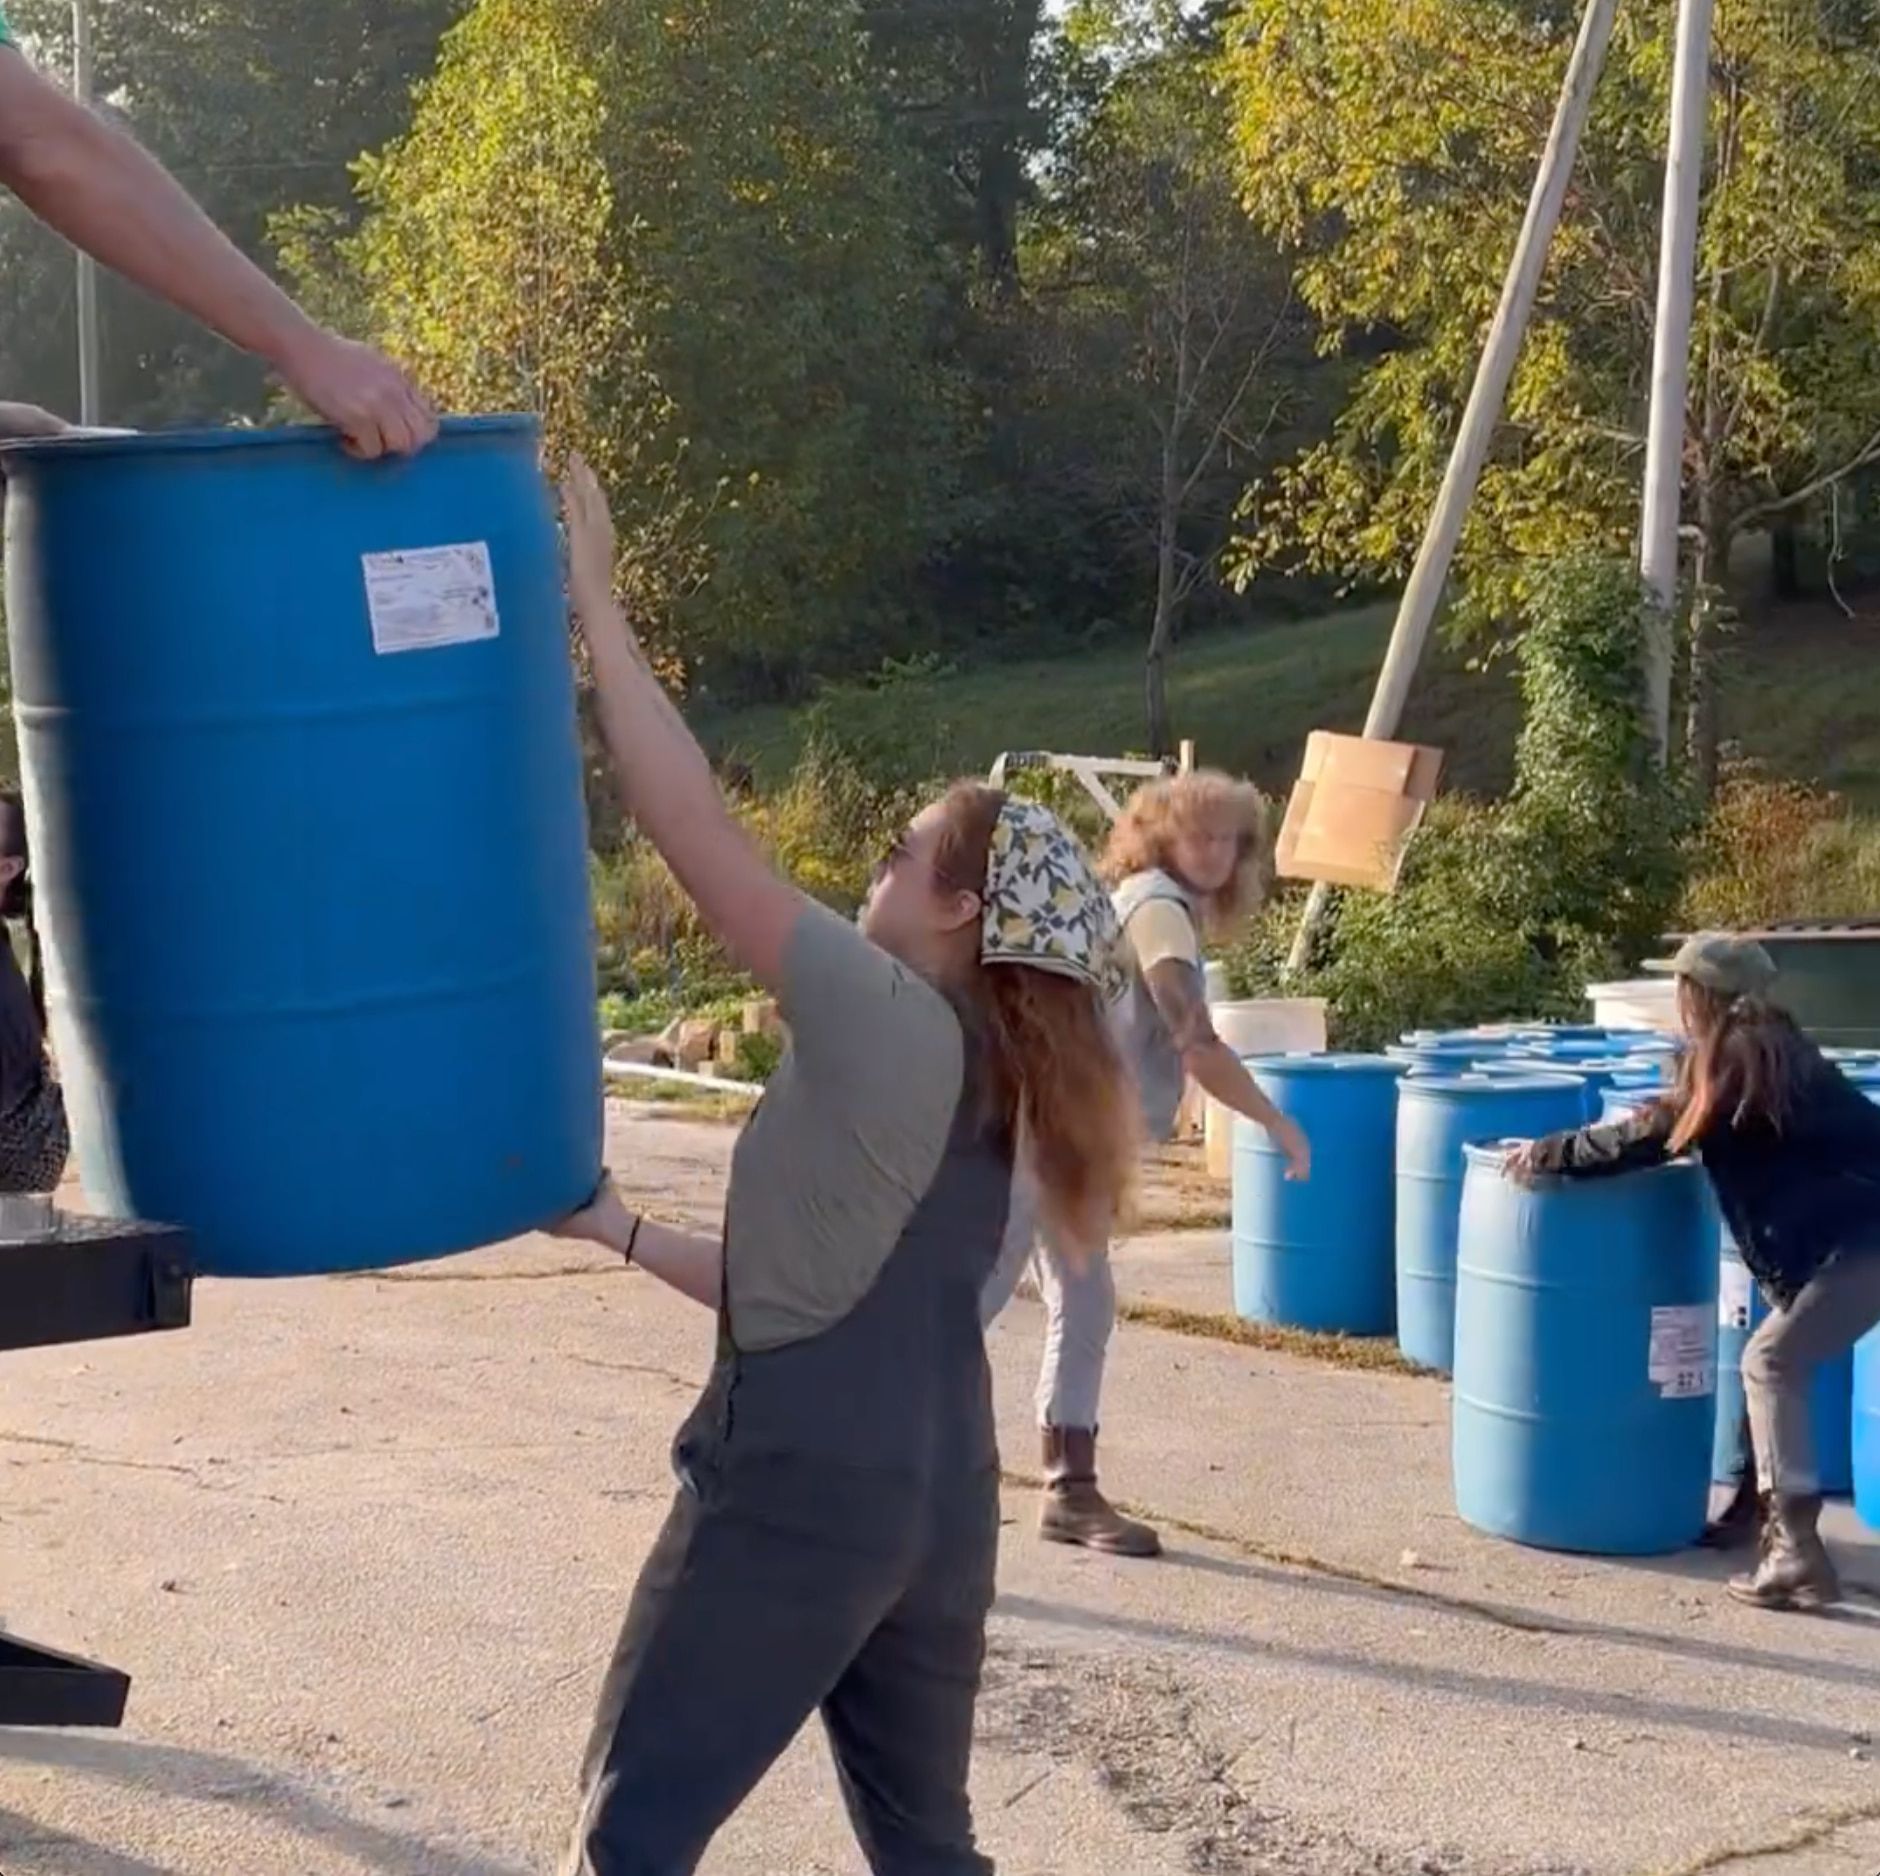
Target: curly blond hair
1143	840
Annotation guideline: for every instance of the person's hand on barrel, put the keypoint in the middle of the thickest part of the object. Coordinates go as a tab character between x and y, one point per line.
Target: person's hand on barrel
18	421
603	1220
1521	1162
591	552
360	392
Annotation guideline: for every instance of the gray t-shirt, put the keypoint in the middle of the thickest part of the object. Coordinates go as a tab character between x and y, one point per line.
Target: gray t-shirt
846	1140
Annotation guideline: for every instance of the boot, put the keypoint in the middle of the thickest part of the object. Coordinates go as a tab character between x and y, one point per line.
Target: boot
1736	1526
1074	1511
1795	1571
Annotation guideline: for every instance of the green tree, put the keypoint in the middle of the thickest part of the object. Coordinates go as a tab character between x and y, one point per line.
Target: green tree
687	235
1176	331
253	104
1392	143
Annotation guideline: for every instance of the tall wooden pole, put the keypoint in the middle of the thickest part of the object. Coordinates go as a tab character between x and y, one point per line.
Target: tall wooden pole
1423	594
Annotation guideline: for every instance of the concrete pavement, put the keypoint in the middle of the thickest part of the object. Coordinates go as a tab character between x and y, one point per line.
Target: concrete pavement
363	1543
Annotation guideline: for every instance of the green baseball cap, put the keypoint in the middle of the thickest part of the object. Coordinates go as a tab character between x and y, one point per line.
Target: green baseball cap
1731	966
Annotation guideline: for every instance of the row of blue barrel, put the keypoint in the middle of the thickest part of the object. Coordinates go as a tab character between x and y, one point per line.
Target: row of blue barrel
1535	1301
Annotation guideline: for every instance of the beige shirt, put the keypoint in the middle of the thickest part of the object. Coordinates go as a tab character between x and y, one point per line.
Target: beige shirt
1159	930
846	1140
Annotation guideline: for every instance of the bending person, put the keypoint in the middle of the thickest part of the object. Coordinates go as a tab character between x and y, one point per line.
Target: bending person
833	1542
95	186
1188	860
1792	1149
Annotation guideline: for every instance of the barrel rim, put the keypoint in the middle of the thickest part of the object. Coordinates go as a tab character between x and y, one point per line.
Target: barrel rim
1481	1082
193	441
1305	1063
1491	1153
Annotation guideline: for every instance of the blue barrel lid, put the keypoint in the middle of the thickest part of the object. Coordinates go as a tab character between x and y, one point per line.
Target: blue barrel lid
1573	1049
1477	1081
190	441
1302	1064
1448	1049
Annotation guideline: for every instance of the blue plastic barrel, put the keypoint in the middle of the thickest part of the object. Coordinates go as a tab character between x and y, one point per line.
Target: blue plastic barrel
1319	1254
1452	1052
1866	1429
1586	1319
1436	1118
1568	1049
305	798
1741	1307
1616	1102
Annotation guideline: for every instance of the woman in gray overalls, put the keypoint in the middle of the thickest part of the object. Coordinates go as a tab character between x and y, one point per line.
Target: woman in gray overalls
833	1542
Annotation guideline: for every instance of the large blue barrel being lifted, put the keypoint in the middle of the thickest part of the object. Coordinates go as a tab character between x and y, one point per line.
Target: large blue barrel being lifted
304	793
1586	1342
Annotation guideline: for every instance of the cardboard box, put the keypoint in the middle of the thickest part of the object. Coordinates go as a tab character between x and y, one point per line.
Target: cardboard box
1354	808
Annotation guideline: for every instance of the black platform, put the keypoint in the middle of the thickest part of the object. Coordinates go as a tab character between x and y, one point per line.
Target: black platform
97	1279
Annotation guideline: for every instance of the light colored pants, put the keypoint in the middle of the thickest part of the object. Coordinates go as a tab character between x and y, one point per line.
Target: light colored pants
1080	1311
1826	1320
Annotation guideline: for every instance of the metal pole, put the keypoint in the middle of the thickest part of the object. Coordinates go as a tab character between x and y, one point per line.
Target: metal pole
88	377
1671	353
1424	591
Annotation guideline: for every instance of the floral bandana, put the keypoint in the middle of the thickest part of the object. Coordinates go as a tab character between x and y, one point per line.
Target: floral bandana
1045	905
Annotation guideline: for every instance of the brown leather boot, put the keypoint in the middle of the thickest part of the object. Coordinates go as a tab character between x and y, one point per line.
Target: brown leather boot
1074	1511
1796	1571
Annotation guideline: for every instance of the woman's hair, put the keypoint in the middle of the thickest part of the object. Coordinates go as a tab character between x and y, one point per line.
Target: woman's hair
1051	1069
16	902
1743	1061
1143	839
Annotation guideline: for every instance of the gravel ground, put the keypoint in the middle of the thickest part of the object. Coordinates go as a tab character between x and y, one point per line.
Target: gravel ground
363	1544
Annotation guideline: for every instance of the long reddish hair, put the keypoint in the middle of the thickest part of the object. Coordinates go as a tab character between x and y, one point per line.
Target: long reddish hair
1051	1069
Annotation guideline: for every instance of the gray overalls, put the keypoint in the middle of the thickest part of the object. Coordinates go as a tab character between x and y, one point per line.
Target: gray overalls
832	1548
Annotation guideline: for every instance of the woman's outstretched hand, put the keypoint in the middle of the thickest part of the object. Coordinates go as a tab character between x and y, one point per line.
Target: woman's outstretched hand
591	548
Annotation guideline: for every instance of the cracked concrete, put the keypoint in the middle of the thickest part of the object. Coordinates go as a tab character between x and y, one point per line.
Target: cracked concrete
363	1544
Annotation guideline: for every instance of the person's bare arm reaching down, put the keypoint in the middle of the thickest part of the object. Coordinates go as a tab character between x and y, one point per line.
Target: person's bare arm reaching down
1177	989
95	186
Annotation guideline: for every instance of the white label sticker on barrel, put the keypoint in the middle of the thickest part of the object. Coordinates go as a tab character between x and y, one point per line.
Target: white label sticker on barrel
421	598
1733	1295
1682	1364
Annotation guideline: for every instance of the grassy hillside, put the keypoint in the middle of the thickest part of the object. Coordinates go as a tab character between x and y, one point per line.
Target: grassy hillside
1802	696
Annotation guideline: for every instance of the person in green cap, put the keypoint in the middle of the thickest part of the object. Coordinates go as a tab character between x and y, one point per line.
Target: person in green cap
104	194
1792	1149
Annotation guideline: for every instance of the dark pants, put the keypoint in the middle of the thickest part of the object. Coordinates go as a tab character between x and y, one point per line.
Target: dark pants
738	1631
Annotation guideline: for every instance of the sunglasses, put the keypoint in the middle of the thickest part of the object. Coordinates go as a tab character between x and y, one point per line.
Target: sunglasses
900	853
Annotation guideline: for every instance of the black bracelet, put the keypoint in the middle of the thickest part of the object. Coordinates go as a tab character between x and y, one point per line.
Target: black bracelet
633	1239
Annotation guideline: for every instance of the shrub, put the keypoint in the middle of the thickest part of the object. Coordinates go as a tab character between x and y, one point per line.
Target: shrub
825	829
888	730
1773	850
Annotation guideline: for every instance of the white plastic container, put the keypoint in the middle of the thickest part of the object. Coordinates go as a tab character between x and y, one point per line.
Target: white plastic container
1259	1026
1637	1003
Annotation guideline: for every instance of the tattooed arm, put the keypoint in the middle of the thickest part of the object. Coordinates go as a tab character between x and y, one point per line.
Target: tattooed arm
1177	987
